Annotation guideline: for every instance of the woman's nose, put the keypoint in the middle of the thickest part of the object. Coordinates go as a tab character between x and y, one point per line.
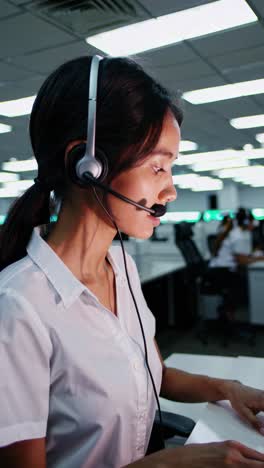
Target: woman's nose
169	194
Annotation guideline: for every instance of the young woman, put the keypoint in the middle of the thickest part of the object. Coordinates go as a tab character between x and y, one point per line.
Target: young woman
75	390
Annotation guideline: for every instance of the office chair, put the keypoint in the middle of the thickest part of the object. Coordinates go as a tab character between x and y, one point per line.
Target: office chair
205	280
211	238
172	425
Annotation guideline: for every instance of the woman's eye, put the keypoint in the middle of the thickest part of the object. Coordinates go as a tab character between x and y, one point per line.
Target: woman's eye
158	169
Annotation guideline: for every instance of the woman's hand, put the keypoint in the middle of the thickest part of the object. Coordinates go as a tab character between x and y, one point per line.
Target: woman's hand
247	401
218	455
228	454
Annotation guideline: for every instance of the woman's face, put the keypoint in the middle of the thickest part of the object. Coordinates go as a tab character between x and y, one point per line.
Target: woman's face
148	184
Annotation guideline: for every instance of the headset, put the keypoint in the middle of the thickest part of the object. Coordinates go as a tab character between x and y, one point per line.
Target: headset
87	164
87	167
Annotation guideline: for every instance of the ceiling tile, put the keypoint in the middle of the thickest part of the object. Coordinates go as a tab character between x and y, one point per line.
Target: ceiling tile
170	6
259	98
203	82
258	6
244	37
243	59
6	9
231	108
24	33
22	88
170	55
10	74
47	60
89	17
246	72
184	71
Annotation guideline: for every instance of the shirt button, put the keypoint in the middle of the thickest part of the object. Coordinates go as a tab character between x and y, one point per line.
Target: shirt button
136	365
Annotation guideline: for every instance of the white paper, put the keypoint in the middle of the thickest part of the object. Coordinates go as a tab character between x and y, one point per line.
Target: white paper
220	422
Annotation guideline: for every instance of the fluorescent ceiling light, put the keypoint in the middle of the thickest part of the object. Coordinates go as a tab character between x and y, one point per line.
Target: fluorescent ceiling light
229	91
205	157
9	193
184	178
255	153
240	172
248	122
187	145
207	183
8	177
260	137
223	155
215	165
20	166
195	182
19	185
172	28
17	107
5	128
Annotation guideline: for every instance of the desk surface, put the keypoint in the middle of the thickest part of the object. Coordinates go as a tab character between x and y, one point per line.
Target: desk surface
213	366
256	266
248	370
150	269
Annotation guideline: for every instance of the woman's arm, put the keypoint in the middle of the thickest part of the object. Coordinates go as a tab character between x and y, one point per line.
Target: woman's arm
178	385
24	454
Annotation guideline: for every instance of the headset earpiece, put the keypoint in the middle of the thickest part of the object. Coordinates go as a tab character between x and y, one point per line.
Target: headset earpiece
78	163
103	161
87	158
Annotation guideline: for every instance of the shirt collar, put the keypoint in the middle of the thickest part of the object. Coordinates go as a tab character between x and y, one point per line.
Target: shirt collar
62	279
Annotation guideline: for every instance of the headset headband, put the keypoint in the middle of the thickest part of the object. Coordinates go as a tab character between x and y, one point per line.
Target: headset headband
91	121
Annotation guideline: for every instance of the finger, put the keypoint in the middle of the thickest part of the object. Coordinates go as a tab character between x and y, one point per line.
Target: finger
249	453
248	415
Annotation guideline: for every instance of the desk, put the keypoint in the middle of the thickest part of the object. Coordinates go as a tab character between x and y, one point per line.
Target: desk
248	370
213	366
256	292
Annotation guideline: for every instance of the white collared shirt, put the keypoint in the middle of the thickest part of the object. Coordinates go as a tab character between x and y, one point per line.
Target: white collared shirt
237	242
72	371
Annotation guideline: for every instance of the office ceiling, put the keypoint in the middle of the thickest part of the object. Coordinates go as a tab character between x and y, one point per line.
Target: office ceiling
36	36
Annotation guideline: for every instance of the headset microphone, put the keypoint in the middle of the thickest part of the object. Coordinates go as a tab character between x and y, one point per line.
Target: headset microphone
156	210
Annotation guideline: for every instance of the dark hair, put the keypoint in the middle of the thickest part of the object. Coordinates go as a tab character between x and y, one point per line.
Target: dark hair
242	217
131	107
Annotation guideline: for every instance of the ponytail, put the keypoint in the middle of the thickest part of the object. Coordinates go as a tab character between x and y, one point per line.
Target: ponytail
28	211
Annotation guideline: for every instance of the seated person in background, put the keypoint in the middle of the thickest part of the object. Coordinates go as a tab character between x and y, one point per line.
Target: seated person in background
233	253
235	250
224	229
200	234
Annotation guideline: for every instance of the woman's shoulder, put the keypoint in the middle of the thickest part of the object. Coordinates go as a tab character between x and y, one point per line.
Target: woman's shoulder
20	279
18	274
12	274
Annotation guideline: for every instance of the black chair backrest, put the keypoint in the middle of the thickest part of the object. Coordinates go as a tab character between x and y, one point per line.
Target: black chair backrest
191	254
211	243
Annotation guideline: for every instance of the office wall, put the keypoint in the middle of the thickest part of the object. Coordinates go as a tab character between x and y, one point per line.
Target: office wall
4	205
189	201
251	197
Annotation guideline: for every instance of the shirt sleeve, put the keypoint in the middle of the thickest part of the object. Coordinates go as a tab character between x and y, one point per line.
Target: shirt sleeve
25	351
240	246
